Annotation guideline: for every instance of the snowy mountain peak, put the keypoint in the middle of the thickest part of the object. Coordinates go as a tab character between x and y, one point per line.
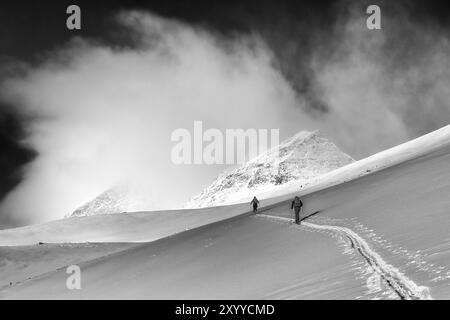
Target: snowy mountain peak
112	200
286	146
297	159
125	197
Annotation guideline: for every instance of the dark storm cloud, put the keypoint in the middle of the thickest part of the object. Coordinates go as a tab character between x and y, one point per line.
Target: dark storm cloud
14	155
294	30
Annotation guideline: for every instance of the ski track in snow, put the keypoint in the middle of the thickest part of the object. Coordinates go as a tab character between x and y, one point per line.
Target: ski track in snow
417	259
403	287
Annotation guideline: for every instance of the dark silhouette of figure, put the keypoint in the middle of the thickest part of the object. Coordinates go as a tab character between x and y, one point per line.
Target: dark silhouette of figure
255	203
297	205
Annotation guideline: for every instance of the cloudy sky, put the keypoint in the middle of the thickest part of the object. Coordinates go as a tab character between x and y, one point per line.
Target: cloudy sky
81	111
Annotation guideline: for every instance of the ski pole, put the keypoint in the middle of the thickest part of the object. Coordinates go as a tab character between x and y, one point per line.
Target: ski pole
301	214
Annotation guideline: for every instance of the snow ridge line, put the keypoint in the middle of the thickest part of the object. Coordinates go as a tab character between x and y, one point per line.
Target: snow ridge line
404	287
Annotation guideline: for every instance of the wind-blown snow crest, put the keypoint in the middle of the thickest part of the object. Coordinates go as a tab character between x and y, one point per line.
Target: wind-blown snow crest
294	161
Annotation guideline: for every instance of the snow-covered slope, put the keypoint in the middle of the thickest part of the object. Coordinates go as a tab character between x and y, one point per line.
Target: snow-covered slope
371	237
121	227
294	161
383	236
25	262
241	259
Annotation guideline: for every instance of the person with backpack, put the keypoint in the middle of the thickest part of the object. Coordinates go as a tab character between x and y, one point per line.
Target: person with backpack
297	204
255	203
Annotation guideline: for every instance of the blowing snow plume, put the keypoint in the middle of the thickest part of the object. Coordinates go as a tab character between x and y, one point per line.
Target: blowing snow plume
103	115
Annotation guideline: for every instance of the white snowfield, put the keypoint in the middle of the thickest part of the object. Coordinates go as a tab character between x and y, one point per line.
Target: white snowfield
381	234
